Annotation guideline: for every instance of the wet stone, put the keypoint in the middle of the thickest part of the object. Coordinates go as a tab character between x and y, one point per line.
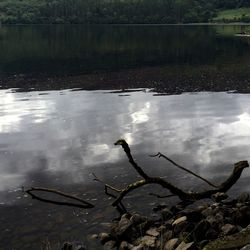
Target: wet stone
153	232
171	244
104	237
137	219
186	246
148	241
247	247
219	196
109	245
200	230
125	246
228	229
243	197
179	220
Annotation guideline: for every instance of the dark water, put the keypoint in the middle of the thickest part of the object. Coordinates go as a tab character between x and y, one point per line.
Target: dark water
58	138
62	49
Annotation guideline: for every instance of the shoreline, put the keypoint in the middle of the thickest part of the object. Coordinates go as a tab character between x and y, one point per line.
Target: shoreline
129	24
221	223
161	79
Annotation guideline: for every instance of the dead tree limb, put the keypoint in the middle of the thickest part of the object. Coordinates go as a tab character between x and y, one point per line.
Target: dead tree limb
184	169
224	187
120	207
81	204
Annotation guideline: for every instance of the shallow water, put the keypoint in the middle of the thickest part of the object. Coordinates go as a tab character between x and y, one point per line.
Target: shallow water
58	138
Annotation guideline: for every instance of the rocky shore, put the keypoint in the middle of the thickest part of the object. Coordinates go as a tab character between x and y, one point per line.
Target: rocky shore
221	223
164	80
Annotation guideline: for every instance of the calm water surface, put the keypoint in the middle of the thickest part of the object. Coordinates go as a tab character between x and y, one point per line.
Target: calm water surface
57	139
72	49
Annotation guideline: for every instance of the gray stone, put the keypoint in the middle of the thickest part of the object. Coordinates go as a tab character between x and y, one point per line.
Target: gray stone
243	197
161	229
179	220
93	237
228	229
153	232
219	217
234	241
208	212
148	241
213	222
109	245
139	247
138	219
185	246
171	244
125	246
219	196
168	235
247	247
181	227
123	225
200	230
104	237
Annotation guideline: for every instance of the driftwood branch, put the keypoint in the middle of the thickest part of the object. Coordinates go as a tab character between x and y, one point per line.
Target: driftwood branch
80	203
119	194
183	195
184	169
120	207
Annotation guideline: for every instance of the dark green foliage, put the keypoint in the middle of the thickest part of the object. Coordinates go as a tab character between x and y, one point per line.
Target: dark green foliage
112	11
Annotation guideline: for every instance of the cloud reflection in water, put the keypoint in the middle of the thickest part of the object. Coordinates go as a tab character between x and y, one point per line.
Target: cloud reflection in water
76	131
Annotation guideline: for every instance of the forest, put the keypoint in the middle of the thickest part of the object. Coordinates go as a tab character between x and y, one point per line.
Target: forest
114	11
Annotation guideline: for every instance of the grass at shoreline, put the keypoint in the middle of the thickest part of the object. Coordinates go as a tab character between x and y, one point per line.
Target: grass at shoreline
233	15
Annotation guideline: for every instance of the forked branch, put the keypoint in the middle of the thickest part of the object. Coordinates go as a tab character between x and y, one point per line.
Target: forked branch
183	195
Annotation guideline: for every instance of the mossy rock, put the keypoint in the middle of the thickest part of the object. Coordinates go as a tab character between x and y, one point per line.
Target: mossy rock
230	242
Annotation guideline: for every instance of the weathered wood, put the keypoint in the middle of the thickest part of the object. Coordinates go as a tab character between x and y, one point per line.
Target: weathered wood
81	203
183	195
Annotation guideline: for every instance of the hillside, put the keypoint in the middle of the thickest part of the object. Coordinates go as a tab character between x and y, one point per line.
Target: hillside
116	11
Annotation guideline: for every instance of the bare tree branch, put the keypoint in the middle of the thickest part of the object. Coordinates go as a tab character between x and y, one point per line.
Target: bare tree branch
224	187
84	204
126	149
185	169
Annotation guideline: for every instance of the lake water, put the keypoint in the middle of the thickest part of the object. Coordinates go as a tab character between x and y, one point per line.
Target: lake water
57	138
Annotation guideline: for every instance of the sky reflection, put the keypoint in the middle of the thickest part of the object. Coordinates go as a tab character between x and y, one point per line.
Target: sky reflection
48	137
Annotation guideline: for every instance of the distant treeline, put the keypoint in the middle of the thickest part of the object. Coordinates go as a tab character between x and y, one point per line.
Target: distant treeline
113	11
